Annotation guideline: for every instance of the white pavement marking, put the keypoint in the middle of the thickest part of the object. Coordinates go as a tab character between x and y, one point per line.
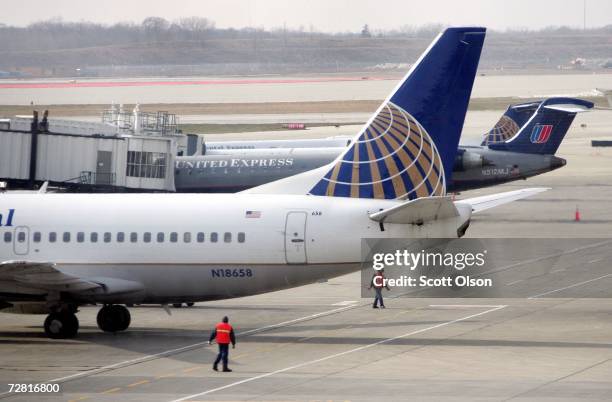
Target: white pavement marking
345	303
569	287
335	355
467	305
192	346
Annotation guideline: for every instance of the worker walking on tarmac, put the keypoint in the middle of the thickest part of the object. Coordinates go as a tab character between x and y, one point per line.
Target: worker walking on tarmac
378	282
224	333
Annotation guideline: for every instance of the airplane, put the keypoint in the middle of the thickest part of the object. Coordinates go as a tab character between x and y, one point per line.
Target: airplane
522	144
507	153
608	94
61	251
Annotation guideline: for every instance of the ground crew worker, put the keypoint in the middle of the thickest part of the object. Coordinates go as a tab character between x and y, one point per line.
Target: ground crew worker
224	333
378	282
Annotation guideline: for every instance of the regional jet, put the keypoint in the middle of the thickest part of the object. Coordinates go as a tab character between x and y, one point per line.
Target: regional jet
60	251
522	144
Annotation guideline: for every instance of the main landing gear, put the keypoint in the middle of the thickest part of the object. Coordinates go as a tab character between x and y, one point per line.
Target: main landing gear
61	325
64	324
114	318
179	305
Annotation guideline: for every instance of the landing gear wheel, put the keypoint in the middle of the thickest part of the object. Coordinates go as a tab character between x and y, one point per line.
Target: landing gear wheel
114	318
190	304
177	305
61	325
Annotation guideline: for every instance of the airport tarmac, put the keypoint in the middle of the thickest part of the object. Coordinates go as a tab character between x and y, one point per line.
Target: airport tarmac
324	342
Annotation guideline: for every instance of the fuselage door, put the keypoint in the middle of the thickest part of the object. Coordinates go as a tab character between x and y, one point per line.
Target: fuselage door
21	240
295	238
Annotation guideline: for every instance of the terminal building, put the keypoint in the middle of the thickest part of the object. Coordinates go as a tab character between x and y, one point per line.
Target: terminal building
126	151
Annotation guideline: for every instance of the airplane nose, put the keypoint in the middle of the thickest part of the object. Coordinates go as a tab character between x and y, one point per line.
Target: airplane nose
557	162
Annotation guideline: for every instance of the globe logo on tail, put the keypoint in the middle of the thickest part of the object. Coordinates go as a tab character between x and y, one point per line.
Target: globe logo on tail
393	158
505	129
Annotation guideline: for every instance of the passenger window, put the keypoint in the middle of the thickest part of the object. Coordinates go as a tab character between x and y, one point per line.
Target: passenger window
120	237
8	237
200	237
160	237
173	237
80	237
107	237
187	237
93	237
52	237
37	236
213	237
227	237
147	237
66	237
133	237
21	237
241	237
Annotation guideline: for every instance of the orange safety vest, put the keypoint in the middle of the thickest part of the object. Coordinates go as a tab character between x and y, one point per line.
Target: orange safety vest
223	333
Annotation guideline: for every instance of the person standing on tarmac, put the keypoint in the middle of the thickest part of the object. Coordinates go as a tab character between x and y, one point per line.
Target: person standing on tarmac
378	282
224	333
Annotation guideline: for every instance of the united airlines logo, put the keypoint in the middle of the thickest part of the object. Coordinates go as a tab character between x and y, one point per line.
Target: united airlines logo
394	157
6	218
541	133
505	129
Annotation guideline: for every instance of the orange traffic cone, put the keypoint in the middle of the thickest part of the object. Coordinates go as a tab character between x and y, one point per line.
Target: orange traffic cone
577	215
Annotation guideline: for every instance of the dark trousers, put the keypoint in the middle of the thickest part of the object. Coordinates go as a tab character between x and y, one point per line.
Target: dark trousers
223	355
378	297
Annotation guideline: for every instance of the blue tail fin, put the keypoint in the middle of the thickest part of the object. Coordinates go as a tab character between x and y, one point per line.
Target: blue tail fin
536	127
407	148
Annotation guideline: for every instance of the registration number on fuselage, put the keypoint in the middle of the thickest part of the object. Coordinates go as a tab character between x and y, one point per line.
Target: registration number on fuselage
496	172
232	273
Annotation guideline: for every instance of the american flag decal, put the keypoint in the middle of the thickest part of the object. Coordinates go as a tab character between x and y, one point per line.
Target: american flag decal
253	214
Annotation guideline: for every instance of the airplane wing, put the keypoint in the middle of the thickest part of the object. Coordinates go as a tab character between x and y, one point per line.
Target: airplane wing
482	203
417	211
43	275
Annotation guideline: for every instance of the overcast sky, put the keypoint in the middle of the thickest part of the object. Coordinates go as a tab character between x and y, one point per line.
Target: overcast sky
323	15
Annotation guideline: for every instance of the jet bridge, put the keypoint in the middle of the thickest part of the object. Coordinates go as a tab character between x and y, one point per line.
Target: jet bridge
126	151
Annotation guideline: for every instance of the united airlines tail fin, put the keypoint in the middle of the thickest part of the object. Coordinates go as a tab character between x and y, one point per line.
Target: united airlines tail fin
535	127
407	148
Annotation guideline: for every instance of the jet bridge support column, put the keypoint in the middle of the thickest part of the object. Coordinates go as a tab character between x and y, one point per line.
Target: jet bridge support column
33	149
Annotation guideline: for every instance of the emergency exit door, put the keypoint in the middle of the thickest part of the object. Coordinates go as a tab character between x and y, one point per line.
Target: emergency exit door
295	238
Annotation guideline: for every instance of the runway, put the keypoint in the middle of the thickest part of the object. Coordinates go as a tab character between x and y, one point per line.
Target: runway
277	89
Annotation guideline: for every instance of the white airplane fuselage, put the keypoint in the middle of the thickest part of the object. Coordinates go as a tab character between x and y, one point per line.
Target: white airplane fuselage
263	243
